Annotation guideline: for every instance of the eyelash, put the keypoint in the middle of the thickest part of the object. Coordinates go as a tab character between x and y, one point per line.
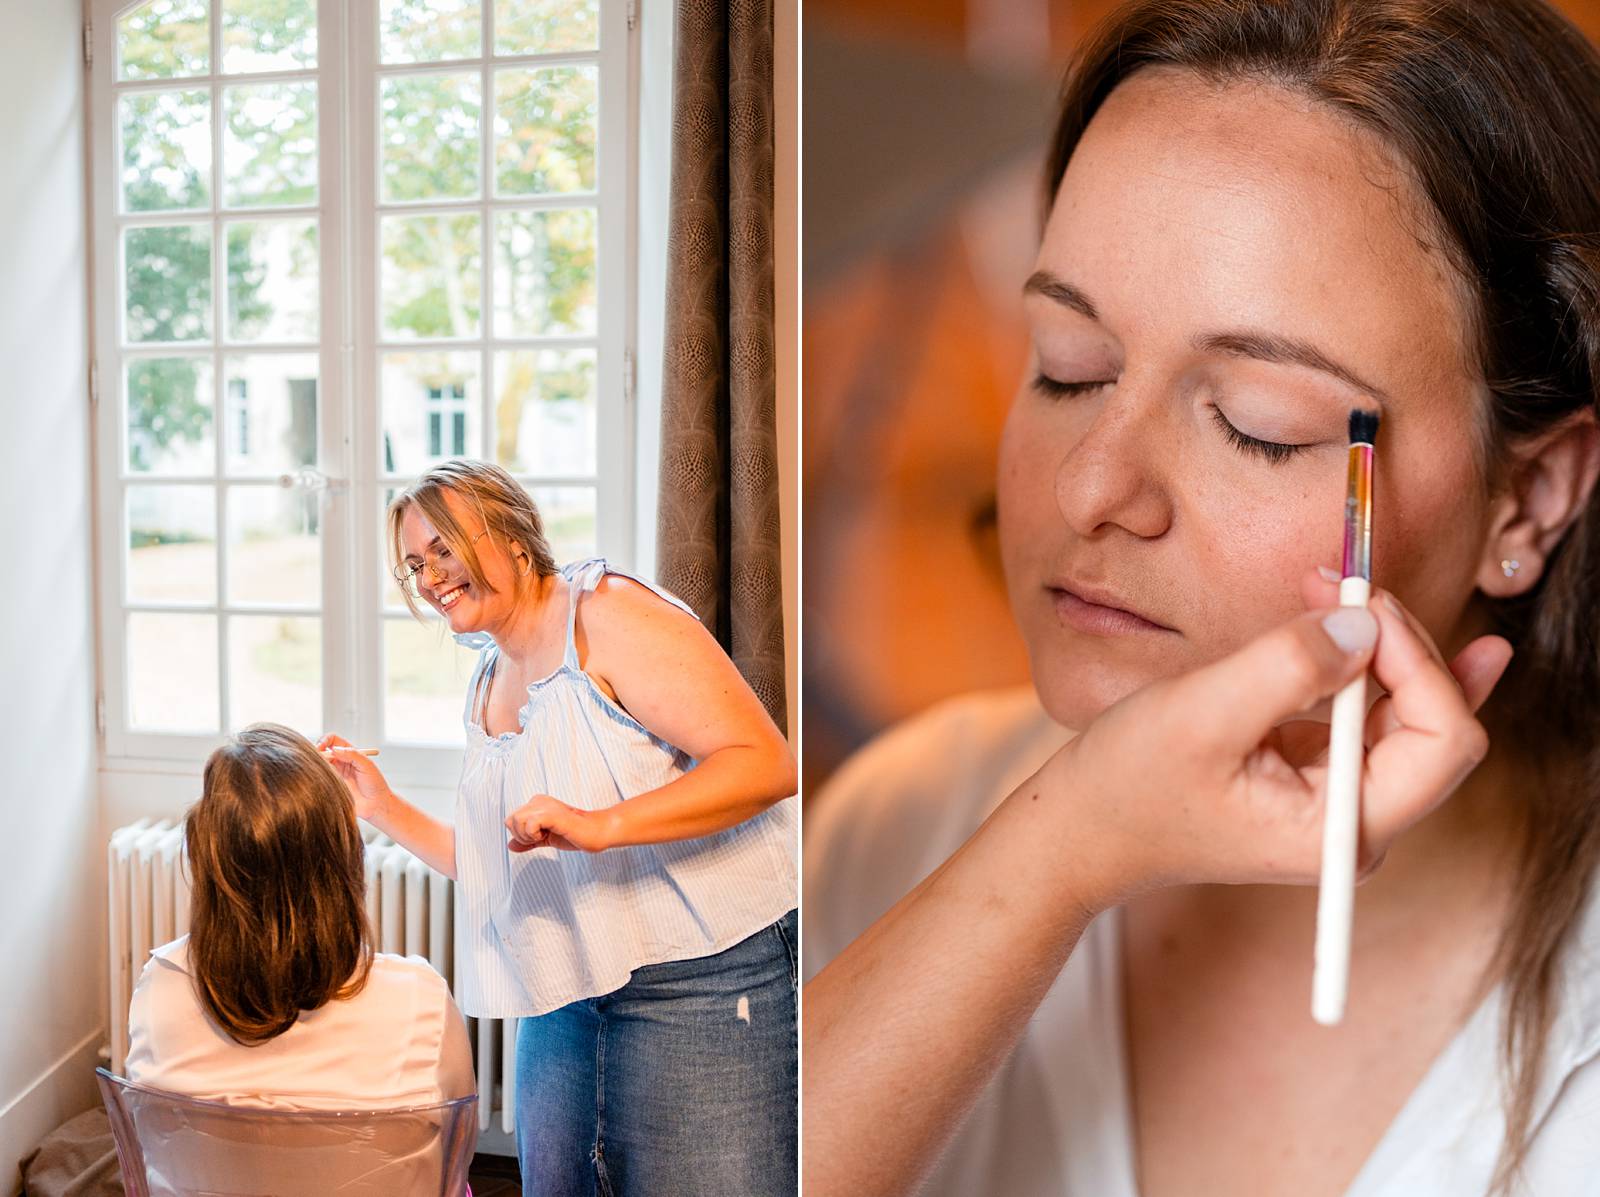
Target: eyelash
1057	389
1273	451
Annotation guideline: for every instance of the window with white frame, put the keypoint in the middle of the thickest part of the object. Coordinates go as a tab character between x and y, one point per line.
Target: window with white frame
337	243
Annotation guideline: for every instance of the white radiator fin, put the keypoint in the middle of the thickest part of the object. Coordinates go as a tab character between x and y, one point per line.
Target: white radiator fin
410	905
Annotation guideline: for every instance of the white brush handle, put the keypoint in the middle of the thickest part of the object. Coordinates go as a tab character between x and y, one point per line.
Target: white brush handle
1340	829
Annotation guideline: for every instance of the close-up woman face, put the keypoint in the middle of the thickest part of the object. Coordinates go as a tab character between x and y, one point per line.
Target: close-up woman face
1225	265
444	583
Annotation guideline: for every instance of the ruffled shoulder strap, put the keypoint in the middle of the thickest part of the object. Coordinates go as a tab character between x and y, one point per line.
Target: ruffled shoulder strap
584	576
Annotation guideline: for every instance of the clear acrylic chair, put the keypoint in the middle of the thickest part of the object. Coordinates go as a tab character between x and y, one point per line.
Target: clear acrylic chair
169	1145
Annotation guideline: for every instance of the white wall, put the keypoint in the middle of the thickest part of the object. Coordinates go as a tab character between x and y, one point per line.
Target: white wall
51	890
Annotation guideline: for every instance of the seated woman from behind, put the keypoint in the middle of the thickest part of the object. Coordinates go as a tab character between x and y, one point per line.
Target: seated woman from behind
276	997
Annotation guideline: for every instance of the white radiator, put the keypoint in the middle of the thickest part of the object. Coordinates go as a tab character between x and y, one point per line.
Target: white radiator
412	913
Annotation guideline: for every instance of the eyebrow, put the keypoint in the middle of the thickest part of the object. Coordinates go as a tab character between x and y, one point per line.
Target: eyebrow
1252	343
1273	347
1042	282
426	547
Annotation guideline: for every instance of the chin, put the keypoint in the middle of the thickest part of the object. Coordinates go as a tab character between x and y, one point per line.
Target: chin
1075	692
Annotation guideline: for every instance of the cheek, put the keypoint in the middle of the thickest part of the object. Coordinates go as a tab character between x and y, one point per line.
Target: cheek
1031	451
1427	543
1249	548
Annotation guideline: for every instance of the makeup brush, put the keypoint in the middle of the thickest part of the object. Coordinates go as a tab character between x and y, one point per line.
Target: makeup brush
1342	812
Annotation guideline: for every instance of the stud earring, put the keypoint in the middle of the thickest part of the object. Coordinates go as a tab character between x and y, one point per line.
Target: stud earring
1510	567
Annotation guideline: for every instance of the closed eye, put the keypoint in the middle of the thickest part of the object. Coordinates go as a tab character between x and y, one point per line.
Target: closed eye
1273	451
1046	385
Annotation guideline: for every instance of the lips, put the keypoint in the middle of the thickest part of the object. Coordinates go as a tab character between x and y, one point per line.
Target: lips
1097	609
450	597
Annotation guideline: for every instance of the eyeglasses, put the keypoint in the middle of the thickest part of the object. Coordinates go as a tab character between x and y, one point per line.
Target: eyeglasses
435	560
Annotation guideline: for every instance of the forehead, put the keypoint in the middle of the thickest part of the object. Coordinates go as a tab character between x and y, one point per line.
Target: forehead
1194	207
417	531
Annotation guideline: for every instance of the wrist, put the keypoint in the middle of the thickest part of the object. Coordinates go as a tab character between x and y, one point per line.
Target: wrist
381	815
1101	865
613	827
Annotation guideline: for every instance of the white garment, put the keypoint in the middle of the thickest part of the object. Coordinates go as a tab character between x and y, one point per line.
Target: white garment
1056	1119
399	1042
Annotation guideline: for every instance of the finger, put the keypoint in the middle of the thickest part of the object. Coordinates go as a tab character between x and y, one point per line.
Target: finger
1234	702
1431	741
1479	667
1318	589
1388	599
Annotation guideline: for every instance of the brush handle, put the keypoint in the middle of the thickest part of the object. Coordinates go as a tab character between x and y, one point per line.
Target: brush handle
1340	829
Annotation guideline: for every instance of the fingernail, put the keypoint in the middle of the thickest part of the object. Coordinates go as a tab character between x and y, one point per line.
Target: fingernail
1352	628
1393	604
1328	575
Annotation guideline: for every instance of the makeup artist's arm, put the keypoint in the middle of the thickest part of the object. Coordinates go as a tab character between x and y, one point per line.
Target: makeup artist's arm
432	841
672	676
1178	783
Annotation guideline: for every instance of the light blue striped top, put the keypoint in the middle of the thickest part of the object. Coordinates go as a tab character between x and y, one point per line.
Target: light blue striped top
537	930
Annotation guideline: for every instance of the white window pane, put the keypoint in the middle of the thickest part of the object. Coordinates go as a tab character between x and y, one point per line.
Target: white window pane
544	411
269	144
568	513
268	35
269	415
167	282
544	273
430	131
275	672
431	276
169	412
429	30
172	544
166	149
425	681
545	127
164	38
274	547
172	672
431	403
273	281
546	26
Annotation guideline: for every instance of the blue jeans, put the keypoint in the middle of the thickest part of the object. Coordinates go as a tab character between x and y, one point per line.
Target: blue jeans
683	1083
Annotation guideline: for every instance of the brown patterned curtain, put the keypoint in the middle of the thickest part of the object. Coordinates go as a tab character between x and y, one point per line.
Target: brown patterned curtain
717	527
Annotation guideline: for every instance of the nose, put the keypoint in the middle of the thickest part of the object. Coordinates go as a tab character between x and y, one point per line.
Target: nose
1116	474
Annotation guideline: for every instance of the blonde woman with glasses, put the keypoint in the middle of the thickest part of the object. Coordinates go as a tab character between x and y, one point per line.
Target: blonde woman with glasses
624	852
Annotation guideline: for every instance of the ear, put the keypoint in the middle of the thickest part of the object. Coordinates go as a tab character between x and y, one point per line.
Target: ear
1550	484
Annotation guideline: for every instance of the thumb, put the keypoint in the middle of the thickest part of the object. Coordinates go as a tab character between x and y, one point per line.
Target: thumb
1236	701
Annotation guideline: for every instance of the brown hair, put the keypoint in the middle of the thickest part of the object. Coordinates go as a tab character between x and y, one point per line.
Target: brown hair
278	918
1495	109
505	508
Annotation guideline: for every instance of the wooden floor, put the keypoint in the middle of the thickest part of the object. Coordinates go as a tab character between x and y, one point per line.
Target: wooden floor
494	1176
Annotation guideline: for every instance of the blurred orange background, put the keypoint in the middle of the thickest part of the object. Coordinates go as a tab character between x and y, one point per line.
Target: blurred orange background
924	129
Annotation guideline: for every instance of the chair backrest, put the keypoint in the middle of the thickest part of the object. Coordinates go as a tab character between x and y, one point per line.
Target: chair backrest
169	1145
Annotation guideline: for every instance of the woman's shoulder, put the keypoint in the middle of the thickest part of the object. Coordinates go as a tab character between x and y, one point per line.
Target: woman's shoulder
946	762
898	807
613	592
411	976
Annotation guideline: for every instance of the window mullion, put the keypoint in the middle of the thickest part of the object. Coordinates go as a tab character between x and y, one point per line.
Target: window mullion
361	176
220	412
336	505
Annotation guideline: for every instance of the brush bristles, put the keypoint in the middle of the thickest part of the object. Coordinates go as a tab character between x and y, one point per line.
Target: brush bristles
1363	426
